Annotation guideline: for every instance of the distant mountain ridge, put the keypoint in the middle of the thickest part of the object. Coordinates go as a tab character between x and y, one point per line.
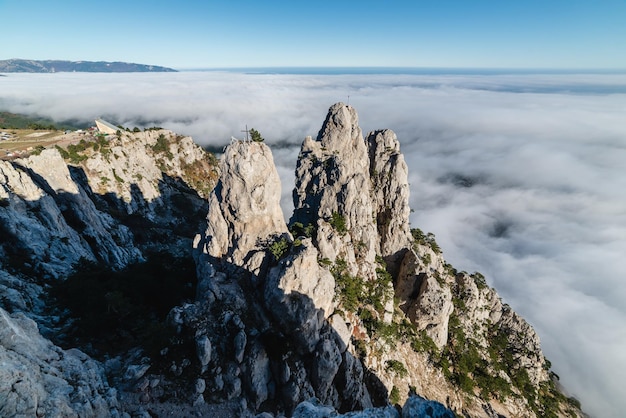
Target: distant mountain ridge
56	66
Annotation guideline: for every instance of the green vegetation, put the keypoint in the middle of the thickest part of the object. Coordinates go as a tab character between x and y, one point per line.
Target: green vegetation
394	395
338	222
256	135
355	293
350	289
425	239
77	153
38	149
479	279
297	229
162	146
117	178
396	367
201	175
16	121
279	248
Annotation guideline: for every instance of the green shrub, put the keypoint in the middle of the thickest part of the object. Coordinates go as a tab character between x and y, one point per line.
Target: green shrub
38	149
64	153
425	239
117	178
338	222
324	262
297	229
479	279
396	367
422	343
162	146
279	248
360	348
256	135
394	396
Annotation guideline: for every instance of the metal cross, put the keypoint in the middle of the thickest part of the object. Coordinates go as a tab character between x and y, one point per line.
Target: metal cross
247	132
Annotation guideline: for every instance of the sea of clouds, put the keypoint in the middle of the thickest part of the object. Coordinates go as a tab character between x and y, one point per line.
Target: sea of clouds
520	176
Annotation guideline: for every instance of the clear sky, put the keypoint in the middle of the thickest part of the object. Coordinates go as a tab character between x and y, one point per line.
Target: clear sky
245	33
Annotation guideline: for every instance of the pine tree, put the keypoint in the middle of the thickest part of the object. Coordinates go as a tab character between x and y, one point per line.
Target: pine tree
256	135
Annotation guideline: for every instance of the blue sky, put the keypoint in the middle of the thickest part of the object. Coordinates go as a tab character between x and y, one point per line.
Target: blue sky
443	33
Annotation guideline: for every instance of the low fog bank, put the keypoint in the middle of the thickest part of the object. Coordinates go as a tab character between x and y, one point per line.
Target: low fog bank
520	177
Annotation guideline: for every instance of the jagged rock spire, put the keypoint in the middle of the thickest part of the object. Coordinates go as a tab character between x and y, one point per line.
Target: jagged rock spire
390	192
333	191
244	207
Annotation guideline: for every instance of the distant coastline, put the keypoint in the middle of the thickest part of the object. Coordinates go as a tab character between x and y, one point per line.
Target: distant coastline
17	65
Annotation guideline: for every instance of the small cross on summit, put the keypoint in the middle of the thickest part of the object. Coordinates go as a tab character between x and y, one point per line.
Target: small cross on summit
247	133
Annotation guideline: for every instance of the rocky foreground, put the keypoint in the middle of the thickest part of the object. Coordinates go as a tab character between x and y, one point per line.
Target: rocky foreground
344	308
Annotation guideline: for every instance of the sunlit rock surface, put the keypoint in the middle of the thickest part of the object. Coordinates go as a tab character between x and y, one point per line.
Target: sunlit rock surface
345	304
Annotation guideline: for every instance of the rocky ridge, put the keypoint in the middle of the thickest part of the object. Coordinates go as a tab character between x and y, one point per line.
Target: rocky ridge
110	201
345	308
350	306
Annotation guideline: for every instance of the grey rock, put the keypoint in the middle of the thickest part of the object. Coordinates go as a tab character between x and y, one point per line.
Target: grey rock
203	351
240	345
325	367
40	379
136	371
300	295
257	374
389	174
332	179
312	408
340	331
244	207
351	384
200	386
418	407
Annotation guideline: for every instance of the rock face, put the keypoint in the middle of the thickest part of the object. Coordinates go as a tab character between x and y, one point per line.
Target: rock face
40	379
390	193
46	211
106	200
244	209
415	407
250	267
310	312
300	294
333	192
344	309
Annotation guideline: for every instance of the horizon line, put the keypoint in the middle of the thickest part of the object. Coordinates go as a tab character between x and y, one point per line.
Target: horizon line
398	69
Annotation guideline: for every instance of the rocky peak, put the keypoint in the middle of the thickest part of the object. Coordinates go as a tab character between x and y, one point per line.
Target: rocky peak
333	192
244	208
341	134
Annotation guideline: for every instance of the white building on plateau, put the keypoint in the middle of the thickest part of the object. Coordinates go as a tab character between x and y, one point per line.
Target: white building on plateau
106	127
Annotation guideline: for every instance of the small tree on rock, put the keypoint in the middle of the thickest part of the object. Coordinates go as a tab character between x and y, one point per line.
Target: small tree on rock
256	135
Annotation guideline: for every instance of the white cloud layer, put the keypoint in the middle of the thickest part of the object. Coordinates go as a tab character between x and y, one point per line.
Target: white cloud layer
521	177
